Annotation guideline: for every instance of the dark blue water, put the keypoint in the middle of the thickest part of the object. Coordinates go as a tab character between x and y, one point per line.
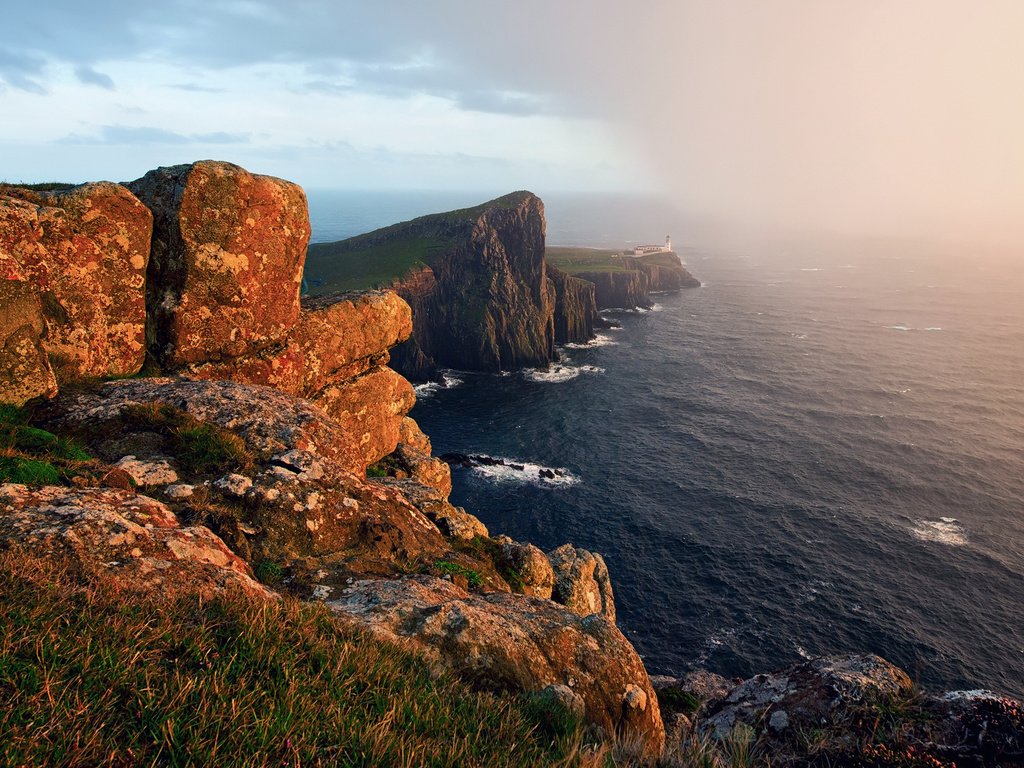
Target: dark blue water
821	450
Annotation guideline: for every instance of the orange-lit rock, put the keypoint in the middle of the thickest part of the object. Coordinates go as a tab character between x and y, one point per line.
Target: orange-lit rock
86	250
25	372
227	257
370	408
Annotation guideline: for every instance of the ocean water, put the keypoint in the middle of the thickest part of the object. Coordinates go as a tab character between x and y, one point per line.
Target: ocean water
819	451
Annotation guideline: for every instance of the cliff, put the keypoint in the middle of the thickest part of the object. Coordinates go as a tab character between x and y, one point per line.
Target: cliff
267	449
475	278
623	281
266	456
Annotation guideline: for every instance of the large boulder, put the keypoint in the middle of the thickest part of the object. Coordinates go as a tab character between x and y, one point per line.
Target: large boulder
227	258
86	250
370	409
508	641
528	568
135	541
344	335
25	372
811	695
582	583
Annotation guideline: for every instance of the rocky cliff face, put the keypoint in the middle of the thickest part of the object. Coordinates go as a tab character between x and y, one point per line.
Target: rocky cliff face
481	299
575	308
253	452
631	285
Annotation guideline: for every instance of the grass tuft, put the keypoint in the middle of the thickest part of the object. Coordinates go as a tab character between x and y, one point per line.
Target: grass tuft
34	456
89	677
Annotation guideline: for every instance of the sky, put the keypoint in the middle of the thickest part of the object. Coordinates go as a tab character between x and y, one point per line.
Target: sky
902	116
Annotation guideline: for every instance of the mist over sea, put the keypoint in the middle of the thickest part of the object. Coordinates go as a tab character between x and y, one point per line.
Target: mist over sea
819	451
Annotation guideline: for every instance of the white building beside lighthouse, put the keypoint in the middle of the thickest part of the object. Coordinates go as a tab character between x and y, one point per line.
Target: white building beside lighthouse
643	250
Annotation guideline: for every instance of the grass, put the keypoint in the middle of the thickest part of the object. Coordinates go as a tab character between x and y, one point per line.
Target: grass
197	446
473	578
46	186
342	267
576	261
378	258
34	456
89	677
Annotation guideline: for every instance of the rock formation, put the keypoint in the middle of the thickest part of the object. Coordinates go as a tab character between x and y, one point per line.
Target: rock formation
576	314
632	285
85	250
227	239
254	440
480	295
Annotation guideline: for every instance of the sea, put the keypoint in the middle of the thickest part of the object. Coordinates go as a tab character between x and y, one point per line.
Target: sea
819	451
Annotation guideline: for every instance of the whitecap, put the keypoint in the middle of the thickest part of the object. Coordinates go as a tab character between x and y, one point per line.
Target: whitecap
448	381
810	269
945	530
556	374
600	340
657	308
516	471
933	328
899	327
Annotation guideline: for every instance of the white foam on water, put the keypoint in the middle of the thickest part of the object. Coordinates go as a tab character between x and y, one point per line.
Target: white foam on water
899	327
524	472
933	328
945	530
448	381
810	269
600	340
657	308
556	374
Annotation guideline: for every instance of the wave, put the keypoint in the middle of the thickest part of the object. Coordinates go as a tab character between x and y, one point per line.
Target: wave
945	530
448	381
909	328
558	373
600	340
499	469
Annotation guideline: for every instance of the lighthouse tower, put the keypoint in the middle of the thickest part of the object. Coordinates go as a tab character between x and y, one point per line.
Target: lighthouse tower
668	242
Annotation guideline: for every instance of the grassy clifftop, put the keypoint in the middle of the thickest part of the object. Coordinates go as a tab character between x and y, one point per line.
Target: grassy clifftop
576	261
89	677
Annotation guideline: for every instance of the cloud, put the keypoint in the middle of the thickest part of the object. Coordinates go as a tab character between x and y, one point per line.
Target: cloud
21	70
139	135
90	76
195	88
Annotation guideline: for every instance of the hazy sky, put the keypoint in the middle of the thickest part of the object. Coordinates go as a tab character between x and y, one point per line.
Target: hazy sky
866	116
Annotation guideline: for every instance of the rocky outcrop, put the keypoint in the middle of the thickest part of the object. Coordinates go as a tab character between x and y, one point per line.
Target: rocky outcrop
581	581
575	308
25	372
480	296
134	541
513	641
226	262
632	280
85	250
414	458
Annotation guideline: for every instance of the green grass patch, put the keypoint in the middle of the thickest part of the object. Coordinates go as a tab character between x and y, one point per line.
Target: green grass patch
198	446
34	456
473	578
91	676
344	266
46	186
576	260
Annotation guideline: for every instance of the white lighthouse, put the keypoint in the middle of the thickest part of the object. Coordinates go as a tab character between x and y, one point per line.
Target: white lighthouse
668	242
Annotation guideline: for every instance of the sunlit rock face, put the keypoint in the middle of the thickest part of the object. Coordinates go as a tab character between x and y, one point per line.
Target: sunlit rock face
25	371
86	251
227	257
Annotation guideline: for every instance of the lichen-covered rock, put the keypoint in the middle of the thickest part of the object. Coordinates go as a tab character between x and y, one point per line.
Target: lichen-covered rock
413	456
135	541
280	366
153	471
454	522
582	583
267	420
227	257
25	372
344	335
502	641
529	568
809	695
370	409
86	250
